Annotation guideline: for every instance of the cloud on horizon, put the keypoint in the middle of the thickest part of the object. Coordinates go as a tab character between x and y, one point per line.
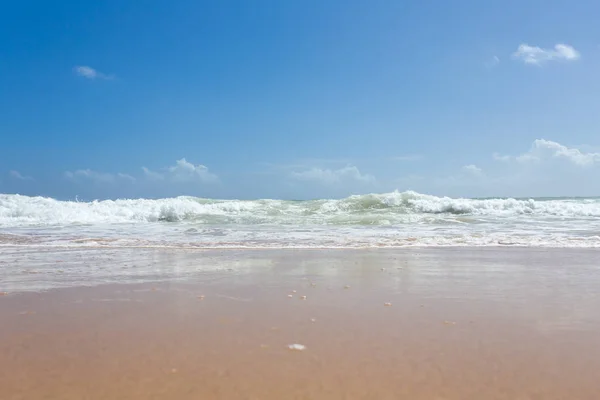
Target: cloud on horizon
534	55
326	176
544	150
18	176
89	175
546	168
472	169
408	157
183	171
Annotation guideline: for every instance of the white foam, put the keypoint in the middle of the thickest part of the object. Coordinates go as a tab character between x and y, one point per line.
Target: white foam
371	209
396	219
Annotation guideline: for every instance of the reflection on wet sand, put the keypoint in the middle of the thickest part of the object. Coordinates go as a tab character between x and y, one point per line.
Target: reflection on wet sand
432	324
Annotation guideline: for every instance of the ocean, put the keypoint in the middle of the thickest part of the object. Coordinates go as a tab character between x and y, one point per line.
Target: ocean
397	219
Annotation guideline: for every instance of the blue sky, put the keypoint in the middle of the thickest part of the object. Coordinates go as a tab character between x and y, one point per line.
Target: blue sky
299	99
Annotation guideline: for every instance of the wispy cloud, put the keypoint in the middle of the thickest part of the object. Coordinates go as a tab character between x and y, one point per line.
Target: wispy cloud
408	157
534	55
183	171
500	157
95	176
543	150
306	163
492	62
473	170
152	175
332	176
17	175
547	168
126	177
90	73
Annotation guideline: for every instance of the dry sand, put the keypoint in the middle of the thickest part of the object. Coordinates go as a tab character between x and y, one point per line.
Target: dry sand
459	324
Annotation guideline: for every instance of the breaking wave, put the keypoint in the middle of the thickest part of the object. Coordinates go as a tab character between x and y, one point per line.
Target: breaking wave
370	209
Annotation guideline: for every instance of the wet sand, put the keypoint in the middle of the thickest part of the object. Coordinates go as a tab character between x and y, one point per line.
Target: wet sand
460	324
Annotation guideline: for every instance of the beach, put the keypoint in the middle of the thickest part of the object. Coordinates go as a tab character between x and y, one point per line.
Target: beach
418	323
326	200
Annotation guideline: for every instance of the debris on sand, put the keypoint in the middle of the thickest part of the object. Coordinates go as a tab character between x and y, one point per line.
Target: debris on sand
297	347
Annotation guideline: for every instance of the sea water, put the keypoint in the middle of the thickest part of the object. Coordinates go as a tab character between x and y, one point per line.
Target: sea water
397	219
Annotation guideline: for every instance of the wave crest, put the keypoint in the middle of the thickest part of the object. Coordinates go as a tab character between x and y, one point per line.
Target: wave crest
374	209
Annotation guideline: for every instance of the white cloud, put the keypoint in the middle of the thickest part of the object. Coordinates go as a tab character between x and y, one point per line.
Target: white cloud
472	170
125	177
183	171
408	157
500	157
152	175
331	176
17	175
95	176
492	62
408	181
469	176
90	73
186	171
536	55
544	150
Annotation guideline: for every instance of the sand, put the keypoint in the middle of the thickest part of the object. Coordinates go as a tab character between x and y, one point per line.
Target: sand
381	324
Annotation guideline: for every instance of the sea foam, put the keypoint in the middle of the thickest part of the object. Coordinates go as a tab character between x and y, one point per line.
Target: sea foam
397	219
370	209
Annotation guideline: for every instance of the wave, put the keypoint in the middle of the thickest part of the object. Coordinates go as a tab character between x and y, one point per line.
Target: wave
369	209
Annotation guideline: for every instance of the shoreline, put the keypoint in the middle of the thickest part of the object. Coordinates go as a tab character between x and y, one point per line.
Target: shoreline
39	269
444	324
302	248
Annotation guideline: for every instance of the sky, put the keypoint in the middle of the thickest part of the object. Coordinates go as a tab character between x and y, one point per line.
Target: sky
299	99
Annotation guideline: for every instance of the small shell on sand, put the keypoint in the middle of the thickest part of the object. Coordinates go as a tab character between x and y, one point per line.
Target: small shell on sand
293	291
347	287
449	323
387	304
296	347
201	297
290	296
302	297
313	320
